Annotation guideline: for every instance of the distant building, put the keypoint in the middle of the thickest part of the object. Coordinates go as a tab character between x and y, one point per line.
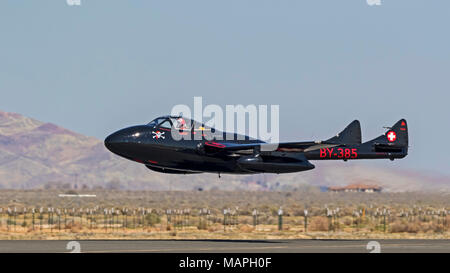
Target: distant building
356	188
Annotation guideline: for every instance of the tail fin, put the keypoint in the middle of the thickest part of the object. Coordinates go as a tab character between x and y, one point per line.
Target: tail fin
394	141
396	135
350	135
400	130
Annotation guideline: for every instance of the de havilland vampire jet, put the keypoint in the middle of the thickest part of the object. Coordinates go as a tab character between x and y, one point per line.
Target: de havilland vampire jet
158	146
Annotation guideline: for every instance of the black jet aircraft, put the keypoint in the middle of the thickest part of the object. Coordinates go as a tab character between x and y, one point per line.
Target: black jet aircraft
158	146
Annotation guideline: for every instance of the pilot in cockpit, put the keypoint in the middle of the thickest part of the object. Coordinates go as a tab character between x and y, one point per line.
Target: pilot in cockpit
181	124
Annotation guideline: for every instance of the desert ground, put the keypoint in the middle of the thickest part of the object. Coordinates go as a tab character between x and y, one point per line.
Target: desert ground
106	214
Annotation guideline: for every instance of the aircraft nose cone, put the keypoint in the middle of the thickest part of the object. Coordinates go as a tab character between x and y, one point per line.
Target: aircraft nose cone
109	140
127	141
113	140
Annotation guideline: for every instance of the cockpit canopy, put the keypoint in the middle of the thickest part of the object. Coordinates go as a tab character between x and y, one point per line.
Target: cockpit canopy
175	122
179	123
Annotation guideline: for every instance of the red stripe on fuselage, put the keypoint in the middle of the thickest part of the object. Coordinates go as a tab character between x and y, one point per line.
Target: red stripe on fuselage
215	144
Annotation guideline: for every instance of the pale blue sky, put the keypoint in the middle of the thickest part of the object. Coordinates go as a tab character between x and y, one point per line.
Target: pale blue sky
108	64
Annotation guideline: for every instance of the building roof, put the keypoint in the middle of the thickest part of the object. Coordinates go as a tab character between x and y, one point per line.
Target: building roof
355	187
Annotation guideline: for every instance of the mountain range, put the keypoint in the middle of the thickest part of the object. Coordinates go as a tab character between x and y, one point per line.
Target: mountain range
35	154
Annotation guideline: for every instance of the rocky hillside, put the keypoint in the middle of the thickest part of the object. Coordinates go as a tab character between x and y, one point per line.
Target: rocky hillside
34	154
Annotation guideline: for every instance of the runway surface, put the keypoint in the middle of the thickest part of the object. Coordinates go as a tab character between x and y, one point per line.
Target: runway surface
230	246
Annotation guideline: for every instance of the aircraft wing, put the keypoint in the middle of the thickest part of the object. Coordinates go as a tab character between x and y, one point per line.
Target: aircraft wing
282	147
350	135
